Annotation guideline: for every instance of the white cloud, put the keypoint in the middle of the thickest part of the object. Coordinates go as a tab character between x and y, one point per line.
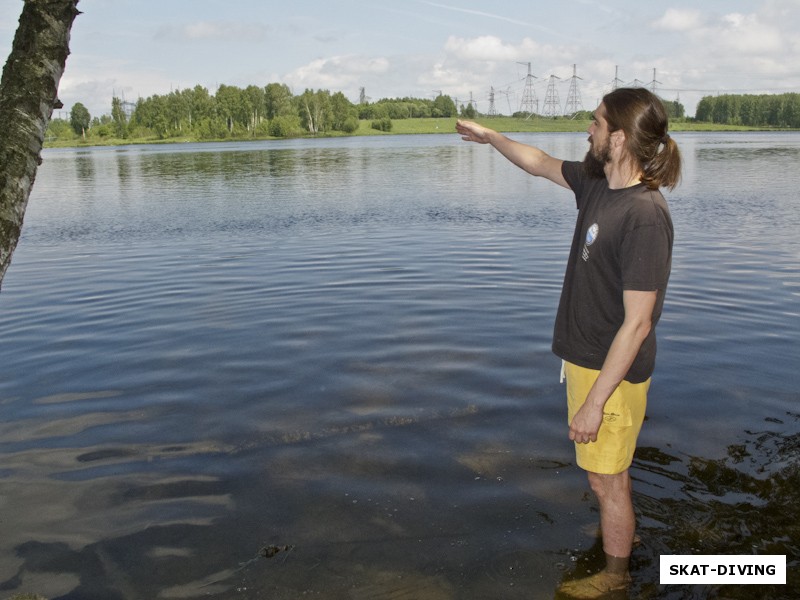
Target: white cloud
489	48
745	34
679	20
337	72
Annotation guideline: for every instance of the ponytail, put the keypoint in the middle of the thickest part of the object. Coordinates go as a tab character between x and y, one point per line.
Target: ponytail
664	169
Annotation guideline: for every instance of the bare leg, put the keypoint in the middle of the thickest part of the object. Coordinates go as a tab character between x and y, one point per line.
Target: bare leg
617	522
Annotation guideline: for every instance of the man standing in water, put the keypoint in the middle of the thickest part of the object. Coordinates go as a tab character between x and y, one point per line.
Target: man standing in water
612	297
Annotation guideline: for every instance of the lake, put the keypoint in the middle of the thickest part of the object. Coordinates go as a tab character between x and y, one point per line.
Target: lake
322	369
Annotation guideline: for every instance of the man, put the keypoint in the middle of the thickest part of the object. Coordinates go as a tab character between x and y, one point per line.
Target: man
612	297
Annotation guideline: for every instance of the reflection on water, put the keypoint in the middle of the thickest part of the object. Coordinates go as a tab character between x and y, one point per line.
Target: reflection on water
745	503
339	349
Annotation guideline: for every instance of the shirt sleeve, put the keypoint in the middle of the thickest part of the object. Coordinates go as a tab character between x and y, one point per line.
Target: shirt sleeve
645	257
574	176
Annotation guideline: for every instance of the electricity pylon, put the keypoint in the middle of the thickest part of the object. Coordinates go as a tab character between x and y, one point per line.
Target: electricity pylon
530	103
617	80
653	83
574	103
552	104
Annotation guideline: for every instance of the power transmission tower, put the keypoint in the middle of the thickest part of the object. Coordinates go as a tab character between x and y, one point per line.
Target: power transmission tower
574	103
127	107
530	103
492	109
507	93
552	104
653	83
617	81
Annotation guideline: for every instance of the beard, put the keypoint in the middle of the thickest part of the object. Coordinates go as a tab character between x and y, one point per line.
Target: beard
596	159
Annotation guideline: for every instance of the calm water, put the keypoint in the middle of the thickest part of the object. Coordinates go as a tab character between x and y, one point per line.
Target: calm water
341	348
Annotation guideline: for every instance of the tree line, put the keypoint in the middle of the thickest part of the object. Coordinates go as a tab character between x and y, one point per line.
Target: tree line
234	112
764	110
274	111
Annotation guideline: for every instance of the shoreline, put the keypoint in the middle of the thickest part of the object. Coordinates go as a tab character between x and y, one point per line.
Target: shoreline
423	126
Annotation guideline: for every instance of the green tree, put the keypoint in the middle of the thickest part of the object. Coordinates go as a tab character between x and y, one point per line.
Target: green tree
59	129
80	119
150	115
469	111
285	126
384	124
179	112
675	109
229	105
278	101
119	118
344	114
444	106
201	104
764	110
254	99
703	110
315	110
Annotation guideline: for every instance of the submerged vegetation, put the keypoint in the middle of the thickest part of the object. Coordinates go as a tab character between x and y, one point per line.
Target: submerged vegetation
747	503
272	112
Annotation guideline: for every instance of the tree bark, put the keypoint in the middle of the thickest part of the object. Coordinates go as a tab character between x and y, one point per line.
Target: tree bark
28	93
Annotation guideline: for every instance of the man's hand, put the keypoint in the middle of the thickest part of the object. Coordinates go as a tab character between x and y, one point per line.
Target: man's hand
585	424
472	132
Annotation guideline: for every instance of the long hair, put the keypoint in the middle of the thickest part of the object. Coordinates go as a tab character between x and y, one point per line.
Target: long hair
641	115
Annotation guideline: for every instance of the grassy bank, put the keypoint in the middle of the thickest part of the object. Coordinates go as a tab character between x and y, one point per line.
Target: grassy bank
413	126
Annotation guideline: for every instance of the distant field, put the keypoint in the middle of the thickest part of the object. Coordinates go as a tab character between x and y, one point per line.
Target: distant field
424	126
511	124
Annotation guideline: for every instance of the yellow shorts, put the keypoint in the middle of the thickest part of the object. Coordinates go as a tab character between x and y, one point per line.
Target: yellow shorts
623	416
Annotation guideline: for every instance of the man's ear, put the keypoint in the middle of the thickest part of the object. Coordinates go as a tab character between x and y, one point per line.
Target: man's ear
618	138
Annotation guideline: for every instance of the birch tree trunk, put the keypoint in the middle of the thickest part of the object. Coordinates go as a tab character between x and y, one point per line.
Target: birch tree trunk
27	96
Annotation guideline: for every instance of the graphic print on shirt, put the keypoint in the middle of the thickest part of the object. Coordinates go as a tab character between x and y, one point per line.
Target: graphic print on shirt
591	236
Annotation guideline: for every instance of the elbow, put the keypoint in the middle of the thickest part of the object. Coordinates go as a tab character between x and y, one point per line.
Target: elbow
643	329
639	329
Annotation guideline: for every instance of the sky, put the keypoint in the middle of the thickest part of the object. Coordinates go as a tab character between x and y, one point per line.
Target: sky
420	48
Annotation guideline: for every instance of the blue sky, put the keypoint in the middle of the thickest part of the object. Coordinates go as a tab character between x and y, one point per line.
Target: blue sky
137	48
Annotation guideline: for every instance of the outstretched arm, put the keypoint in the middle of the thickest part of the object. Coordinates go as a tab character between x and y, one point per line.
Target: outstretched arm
530	159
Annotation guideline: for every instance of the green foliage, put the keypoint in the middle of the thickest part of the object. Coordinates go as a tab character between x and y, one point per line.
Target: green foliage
765	110
79	118
444	106
316	111
406	108
272	111
59	129
675	109
350	125
285	126
119	118
384	124
468	111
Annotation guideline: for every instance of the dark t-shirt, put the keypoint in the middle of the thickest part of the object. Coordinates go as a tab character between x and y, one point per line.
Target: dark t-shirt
622	241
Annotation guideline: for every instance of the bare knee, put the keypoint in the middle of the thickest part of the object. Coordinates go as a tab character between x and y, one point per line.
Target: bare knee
610	486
